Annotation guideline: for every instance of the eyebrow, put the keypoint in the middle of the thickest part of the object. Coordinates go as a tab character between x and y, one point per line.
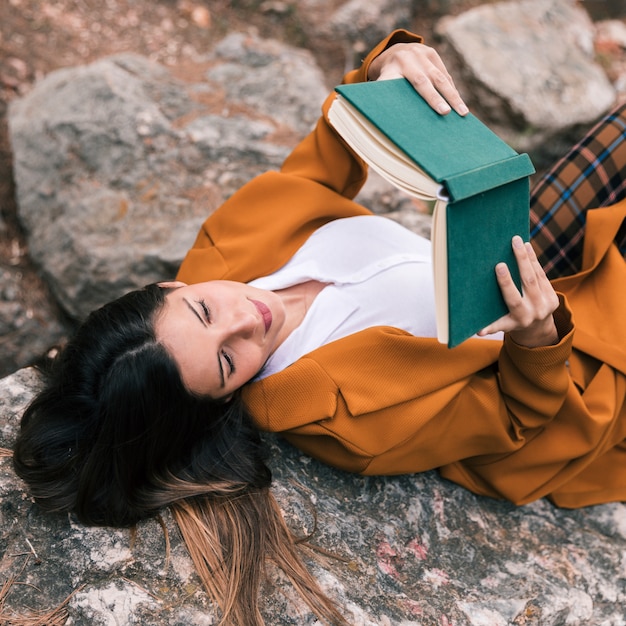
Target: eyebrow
219	361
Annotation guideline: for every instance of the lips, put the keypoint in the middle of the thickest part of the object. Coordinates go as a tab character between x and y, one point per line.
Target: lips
264	312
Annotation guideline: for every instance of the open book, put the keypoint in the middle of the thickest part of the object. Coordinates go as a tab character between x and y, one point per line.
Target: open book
479	186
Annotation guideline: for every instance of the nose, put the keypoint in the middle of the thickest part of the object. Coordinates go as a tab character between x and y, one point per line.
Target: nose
243	324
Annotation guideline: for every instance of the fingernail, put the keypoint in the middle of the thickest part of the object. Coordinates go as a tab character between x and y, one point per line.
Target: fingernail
443	108
463	110
517	241
501	269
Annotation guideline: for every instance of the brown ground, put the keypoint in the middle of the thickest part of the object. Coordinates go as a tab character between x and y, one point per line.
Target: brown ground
37	36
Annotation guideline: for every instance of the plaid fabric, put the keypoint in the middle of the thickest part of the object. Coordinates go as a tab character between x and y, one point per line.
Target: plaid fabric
591	175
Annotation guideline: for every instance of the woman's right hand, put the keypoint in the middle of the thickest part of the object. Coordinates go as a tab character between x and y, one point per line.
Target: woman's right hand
424	69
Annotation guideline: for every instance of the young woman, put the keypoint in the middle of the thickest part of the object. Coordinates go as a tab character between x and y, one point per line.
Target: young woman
297	311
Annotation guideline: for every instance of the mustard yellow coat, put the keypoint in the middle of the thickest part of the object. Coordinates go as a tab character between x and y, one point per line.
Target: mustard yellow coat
500	419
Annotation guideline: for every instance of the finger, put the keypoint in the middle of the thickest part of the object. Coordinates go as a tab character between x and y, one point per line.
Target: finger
510	292
390	72
533	279
443	82
539	271
512	298
528	273
546	300
500	325
450	93
531	309
424	69
536	288
438	90
537	300
426	88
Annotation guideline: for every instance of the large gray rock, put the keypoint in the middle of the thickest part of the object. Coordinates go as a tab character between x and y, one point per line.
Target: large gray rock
279	82
117	163
363	25
412	551
529	67
97	158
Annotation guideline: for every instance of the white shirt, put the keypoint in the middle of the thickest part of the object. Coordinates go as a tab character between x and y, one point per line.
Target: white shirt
379	273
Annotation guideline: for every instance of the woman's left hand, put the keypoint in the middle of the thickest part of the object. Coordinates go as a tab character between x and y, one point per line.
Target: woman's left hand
529	322
424	69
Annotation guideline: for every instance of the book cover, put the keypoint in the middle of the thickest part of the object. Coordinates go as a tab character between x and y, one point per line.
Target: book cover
480	181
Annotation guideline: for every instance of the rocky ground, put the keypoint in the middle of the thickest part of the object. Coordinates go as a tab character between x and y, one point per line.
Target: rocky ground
38	36
442	556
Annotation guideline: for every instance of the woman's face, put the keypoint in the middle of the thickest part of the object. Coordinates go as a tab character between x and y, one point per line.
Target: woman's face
219	333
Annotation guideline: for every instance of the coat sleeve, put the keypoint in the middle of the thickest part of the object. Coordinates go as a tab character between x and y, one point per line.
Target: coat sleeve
323	156
259	228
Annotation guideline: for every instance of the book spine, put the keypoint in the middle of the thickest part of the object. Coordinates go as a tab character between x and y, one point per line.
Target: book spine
481	179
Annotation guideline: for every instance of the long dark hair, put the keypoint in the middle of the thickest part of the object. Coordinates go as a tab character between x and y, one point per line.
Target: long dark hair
114	436
115	424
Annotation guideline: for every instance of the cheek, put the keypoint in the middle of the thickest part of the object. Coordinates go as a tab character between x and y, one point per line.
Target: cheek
251	365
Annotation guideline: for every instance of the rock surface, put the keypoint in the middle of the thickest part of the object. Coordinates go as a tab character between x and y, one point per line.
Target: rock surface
117	162
530	66
412	551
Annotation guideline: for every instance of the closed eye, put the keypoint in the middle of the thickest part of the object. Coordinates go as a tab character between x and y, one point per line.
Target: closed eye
205	310
229	362
194	310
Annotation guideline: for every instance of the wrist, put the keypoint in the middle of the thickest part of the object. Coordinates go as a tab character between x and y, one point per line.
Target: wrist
397	36
537	336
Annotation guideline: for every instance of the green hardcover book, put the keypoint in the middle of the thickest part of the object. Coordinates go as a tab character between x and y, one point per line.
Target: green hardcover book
478	184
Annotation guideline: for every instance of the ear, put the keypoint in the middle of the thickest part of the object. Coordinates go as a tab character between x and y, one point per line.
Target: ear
227	399
171	284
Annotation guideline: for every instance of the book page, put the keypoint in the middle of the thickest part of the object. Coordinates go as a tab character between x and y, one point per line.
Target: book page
439	240
380	153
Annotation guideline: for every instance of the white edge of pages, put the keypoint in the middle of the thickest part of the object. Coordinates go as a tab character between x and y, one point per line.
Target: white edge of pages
380	153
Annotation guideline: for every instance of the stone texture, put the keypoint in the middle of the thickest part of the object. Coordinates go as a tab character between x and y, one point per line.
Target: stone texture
412	551
365	24
26	332
277	81
109	156
118	162
118	152
95	161
531	67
